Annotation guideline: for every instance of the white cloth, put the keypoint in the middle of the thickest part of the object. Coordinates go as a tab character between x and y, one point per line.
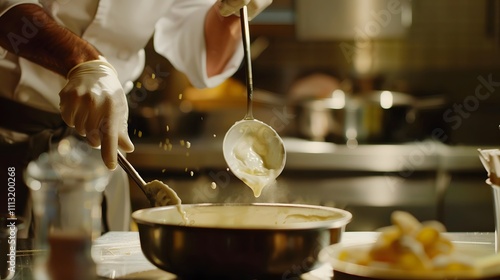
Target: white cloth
119	29
117	197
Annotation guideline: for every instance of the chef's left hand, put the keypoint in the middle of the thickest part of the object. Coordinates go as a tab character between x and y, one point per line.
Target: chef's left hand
232	7
94	103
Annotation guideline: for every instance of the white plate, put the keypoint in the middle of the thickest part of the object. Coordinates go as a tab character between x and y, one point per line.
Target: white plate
477	250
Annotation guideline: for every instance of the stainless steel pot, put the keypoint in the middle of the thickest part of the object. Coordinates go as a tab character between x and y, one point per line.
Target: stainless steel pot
372	117
239	241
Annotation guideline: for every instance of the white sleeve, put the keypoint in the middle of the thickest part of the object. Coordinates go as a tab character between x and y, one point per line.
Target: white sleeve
179	36
6	5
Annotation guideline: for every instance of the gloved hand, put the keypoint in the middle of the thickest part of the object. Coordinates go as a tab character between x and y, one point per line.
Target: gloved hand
94	103
232	7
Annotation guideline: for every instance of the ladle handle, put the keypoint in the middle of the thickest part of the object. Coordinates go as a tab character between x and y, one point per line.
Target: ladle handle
130	170
248	60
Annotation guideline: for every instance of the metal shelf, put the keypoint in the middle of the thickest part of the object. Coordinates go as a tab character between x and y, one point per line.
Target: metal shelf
320	156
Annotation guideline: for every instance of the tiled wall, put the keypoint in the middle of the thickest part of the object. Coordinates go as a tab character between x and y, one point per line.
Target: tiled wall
446	35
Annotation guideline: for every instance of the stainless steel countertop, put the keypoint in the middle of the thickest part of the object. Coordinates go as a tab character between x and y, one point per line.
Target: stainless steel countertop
309	155
118	254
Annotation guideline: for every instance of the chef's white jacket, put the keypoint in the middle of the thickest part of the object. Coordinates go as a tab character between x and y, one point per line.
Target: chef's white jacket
119	29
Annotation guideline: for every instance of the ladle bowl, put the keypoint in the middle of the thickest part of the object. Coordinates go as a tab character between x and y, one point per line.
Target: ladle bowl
270	145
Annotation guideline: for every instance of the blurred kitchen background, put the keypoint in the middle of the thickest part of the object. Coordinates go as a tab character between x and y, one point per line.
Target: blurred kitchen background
421	159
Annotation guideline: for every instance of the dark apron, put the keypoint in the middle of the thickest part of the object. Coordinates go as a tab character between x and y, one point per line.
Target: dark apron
43	127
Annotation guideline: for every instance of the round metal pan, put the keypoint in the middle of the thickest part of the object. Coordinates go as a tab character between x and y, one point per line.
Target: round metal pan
239	241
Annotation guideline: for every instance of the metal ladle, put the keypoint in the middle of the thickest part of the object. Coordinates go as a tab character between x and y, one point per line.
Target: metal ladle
134	175
250	127
157	192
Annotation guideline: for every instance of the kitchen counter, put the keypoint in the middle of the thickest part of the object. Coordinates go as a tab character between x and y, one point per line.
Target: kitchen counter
118	255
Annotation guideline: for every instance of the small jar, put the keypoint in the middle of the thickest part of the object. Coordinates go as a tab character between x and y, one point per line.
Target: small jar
66	186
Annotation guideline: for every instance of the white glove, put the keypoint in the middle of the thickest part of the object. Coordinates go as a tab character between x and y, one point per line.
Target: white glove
232	7
94	103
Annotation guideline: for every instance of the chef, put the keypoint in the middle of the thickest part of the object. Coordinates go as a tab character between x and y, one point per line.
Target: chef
66	67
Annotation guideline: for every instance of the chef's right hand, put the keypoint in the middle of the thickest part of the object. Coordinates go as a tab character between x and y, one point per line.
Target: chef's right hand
94	103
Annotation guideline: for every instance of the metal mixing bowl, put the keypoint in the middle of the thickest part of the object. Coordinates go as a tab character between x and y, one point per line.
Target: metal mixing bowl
239	241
